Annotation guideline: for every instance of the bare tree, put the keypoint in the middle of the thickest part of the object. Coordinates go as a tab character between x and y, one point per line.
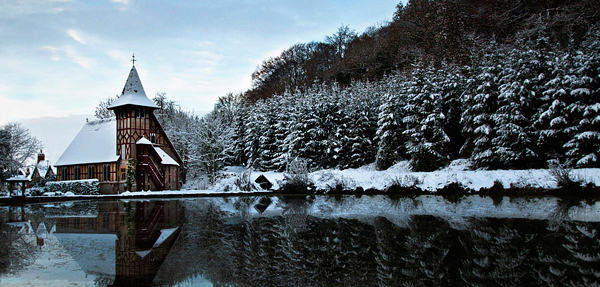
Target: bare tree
341	40
102	111
18	145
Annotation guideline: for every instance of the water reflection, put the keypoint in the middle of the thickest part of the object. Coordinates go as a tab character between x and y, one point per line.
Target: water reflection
316	241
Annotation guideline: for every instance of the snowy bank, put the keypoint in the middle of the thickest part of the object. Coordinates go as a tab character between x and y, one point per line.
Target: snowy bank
368	177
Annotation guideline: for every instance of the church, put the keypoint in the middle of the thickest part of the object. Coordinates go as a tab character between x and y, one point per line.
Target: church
103	148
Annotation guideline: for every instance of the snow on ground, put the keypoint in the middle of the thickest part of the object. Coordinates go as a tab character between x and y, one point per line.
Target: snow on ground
457	172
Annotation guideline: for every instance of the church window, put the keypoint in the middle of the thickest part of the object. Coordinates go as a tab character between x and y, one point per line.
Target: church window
140	113
153	138
90	171
77	173
122	174
106	172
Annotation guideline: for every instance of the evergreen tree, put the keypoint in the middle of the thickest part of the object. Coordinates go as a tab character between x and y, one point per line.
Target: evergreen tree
424	122
584	108
481	104
512	141
131	174
390	129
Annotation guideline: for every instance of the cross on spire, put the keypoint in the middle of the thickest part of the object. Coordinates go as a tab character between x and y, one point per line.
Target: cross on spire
133	59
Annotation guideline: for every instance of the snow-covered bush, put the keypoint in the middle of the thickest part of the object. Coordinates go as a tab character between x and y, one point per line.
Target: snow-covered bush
244	182
79	187
34	191
342	183
295	177
561	174
406	181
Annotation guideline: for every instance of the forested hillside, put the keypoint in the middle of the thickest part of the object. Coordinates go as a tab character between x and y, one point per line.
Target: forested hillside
506	84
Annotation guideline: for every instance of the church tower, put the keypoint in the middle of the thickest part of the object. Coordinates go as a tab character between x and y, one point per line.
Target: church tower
140	137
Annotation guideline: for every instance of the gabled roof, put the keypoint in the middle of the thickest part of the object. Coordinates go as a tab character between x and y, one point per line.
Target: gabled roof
42	168
133	93
95	143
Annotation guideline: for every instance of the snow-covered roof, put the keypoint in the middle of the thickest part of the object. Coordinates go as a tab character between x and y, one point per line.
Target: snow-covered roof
95	143
133	93
42	167
165	158
164	235
144	141
18	178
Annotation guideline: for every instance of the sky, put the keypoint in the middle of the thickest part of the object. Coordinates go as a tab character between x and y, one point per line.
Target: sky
62	57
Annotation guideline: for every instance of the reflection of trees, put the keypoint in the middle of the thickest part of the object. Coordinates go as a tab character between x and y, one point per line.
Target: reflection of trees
329	252
18	248
499	250
295	248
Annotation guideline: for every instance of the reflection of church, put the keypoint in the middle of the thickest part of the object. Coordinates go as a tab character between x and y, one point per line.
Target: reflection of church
138	236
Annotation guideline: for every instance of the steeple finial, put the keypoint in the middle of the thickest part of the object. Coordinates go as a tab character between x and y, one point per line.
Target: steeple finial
133	59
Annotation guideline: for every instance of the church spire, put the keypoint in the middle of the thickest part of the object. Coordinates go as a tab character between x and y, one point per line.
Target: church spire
133	92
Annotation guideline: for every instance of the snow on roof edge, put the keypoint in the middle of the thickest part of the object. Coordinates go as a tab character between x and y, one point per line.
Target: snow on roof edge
95	143
165	158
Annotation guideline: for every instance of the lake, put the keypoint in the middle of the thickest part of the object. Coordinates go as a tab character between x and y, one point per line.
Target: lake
302	241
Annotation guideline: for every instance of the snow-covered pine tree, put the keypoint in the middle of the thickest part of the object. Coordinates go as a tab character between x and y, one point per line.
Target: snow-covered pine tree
331	117
253	132
550	123
341	144
268	151
390	129
454	86
238	156
284	110
360	141
584	108
424	121
518	83
365	104
481	104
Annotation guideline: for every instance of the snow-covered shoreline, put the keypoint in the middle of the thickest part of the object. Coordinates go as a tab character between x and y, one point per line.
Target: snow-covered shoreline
368	177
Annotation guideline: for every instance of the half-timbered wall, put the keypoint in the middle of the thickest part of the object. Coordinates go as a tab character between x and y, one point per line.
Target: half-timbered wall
135	122
98	172
132	124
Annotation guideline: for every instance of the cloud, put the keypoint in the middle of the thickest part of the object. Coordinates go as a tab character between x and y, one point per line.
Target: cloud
124	2
76	35
68	52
